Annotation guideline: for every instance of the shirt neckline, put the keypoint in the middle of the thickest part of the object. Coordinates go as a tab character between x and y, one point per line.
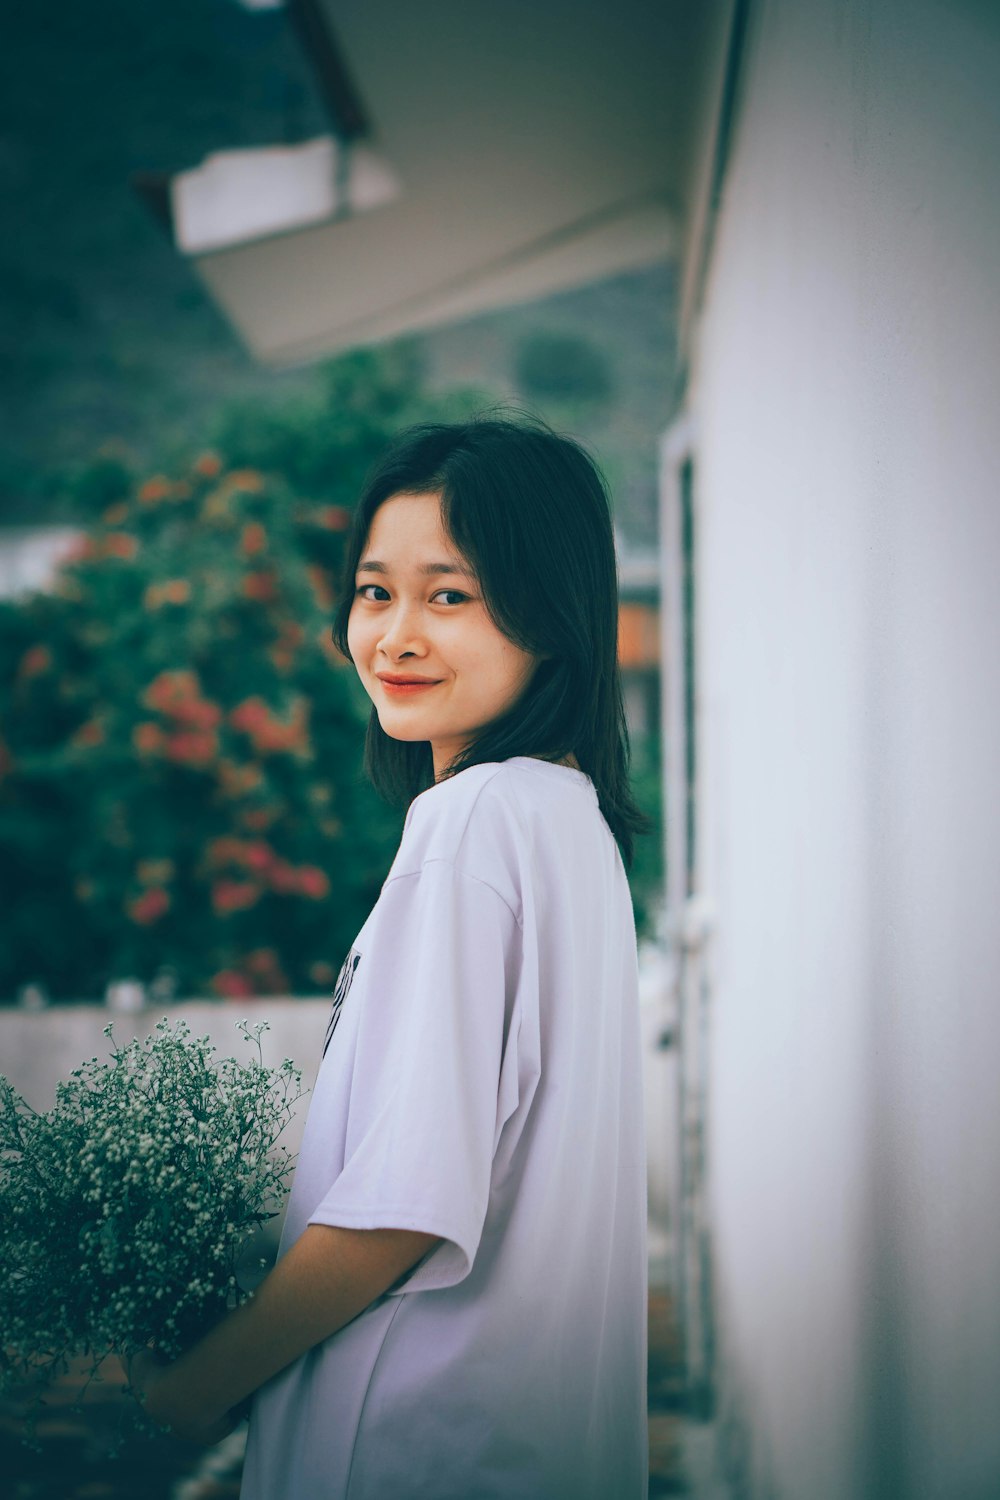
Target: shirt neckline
580	777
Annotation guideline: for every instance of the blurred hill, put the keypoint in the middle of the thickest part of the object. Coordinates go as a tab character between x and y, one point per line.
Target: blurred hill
108	342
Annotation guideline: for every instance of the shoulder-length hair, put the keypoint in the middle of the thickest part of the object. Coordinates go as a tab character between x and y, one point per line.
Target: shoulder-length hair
529	512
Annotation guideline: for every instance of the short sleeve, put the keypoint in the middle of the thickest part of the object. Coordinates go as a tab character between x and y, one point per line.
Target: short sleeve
441	960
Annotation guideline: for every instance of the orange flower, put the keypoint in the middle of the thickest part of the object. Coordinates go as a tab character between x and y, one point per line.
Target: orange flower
261	587
89	735
192	747
83	889
235	779
149	907
312	882
35	661
232	985
321	972
248	480
234	895
155	489
174	591
168	690
115	514
121	544
253	539
208	465
147	738
155	871
223	850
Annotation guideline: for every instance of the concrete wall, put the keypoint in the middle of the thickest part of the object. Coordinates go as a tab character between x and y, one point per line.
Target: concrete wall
39	1048
845	369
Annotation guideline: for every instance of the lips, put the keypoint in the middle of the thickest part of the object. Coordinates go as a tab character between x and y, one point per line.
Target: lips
405	681
398	689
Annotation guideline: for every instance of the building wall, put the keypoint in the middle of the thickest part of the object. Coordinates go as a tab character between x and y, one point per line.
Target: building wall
844	371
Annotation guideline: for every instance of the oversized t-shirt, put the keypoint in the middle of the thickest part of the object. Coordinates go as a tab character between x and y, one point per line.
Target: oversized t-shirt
481	1081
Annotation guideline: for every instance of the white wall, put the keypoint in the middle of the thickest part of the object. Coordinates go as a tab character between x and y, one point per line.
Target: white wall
844	382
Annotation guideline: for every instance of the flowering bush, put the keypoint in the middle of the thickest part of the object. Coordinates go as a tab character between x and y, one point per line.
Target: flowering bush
125	1209
180	756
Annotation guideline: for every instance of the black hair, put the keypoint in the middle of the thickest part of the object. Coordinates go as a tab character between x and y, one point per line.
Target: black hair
529	511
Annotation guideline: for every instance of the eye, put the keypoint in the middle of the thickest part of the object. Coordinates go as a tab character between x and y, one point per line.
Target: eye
360	590
362	593
458	595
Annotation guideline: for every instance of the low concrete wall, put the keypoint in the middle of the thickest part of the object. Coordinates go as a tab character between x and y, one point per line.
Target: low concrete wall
40	1048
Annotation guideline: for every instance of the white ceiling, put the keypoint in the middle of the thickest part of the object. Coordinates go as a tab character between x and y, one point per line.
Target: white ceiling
538	144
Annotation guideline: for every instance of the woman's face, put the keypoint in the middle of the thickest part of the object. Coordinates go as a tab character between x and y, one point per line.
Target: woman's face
420	614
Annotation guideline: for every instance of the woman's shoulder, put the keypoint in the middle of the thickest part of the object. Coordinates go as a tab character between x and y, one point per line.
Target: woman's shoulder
462	819
489	819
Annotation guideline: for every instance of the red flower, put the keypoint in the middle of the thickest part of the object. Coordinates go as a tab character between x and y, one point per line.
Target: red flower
232	985
333	518
149	907
208	465
115	514
249	714
283	877
147	738
120	544
322	588
234	895
262	587
191	748
258	818
169	689
88	735
258	855
312	882
35	661
253	539
269	976
198	712
155	489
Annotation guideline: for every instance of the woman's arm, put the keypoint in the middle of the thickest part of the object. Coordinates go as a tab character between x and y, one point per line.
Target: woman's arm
327	1278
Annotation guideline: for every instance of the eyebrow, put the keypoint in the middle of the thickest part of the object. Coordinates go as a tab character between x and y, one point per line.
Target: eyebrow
430	569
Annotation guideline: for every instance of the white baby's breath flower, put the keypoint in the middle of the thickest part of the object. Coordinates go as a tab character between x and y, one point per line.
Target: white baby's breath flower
126	1206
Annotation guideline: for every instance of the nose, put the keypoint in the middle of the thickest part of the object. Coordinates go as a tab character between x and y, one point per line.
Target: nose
402	634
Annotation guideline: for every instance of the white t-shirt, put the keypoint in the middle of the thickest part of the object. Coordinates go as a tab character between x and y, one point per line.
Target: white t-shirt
482	1082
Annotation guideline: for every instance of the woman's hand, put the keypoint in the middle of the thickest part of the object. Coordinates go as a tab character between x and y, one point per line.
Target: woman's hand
150	1381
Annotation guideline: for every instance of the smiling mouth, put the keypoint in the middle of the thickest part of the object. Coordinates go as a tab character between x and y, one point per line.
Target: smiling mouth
407	687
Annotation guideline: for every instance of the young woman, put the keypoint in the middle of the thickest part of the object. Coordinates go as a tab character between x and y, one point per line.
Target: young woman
458	1311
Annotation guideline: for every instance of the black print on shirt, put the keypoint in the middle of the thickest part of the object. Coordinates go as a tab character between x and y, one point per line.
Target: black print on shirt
344	981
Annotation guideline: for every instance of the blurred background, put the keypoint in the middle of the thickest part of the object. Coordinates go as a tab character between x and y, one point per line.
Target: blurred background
746	251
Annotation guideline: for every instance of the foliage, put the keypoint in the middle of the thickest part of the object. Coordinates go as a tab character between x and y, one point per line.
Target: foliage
125	1209
647	873
563	367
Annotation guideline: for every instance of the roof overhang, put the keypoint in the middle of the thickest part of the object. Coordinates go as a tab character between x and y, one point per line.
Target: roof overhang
532	147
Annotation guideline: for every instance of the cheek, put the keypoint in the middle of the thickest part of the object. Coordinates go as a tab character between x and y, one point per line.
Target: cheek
356	637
